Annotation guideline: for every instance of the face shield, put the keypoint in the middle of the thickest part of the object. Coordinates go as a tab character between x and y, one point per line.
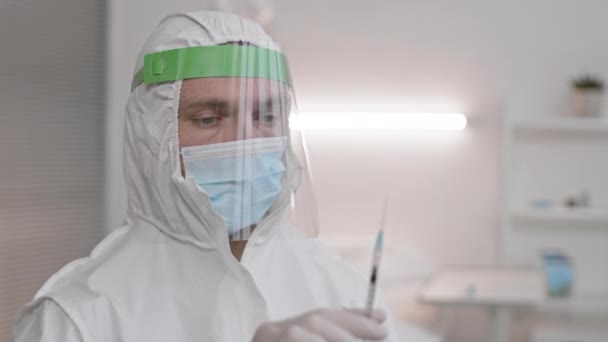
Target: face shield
234	115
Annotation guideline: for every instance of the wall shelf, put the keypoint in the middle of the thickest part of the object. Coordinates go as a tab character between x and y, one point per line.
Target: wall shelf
573	125
561	214
556	158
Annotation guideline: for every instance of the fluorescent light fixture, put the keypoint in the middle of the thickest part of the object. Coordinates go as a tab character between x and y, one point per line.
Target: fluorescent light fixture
378	121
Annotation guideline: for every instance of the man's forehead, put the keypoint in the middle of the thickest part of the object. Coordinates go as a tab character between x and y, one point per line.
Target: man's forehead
234	86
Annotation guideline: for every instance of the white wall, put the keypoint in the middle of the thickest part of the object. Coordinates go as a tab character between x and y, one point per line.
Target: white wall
474	56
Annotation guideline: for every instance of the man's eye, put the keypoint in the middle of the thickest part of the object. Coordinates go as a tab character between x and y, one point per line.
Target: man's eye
268	118
206	121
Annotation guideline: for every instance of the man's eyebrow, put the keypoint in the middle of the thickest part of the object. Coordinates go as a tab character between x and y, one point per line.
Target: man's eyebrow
276	99
216	102
273	99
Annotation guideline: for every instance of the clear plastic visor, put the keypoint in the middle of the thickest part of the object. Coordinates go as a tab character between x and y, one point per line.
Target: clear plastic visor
235	107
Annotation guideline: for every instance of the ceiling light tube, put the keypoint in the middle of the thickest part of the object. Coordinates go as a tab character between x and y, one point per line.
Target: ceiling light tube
378	121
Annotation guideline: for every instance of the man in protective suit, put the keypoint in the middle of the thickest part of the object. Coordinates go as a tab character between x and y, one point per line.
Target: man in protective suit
209	251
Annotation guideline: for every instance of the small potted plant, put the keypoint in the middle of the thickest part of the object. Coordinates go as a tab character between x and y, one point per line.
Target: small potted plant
588	93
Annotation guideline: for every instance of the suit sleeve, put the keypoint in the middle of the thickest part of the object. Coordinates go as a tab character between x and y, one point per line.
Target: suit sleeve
46	322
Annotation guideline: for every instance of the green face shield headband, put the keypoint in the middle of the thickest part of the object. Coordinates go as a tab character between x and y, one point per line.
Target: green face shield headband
213	61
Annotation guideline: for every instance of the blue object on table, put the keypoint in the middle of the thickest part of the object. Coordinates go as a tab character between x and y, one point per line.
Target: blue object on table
559	274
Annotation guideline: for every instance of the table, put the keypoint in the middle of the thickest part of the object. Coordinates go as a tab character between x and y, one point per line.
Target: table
500	290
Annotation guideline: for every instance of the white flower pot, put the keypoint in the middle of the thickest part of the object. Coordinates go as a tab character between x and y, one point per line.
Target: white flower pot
587	103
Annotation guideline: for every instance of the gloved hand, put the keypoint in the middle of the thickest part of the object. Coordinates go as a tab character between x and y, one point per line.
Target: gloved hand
322	325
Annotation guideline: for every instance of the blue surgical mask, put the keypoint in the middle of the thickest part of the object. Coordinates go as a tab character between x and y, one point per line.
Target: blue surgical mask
242	178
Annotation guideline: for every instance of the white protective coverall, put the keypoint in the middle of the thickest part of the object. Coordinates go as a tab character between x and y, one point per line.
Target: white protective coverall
168	274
